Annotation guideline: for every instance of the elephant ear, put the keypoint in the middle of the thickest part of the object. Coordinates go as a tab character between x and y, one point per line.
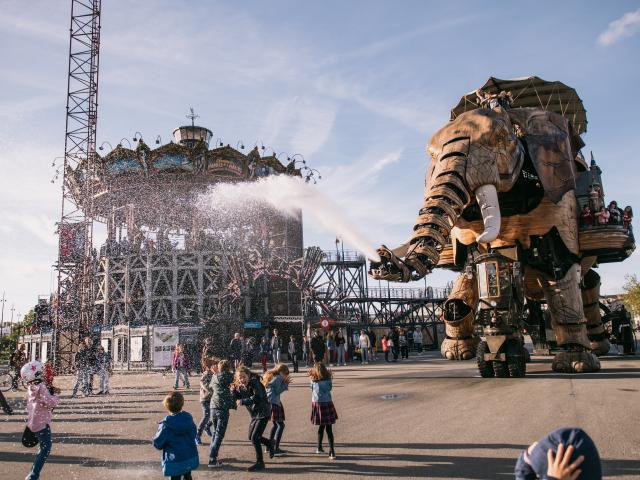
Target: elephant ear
548	141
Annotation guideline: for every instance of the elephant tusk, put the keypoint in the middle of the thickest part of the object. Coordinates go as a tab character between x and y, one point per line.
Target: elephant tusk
487	198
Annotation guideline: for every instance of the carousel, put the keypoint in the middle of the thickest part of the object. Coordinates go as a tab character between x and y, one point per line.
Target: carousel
170	268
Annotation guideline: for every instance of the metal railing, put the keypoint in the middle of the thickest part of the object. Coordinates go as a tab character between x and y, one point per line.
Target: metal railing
342	256
389	293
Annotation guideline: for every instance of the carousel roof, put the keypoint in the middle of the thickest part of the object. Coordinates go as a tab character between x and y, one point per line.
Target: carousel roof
532	92
169	173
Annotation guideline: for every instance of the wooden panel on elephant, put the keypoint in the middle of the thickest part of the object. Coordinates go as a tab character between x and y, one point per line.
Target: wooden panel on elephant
599	238
537	222
462	328
548	141
449	164
465	289
446	257
576	334
532	286
591	296
586	263
492	145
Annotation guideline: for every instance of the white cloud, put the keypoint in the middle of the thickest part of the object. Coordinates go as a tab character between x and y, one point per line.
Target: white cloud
626	26
414	110
299	124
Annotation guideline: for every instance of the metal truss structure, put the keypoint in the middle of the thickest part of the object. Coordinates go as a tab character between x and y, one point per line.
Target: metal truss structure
72	306
163	286
341	292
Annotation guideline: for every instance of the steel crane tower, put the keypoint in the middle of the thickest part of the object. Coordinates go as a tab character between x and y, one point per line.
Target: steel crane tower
72	305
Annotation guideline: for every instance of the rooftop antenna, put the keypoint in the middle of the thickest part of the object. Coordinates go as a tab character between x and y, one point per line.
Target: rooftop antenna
192	116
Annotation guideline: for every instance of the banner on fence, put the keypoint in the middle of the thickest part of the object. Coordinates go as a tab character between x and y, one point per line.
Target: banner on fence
165	340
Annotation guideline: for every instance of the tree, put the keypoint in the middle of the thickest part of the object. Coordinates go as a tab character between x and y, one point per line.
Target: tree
631	297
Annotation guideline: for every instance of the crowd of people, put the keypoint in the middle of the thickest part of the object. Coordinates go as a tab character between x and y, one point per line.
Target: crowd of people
600	216
227	384
224	388
91	361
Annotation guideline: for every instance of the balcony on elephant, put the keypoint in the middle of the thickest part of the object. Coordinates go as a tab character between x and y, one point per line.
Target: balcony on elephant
609	239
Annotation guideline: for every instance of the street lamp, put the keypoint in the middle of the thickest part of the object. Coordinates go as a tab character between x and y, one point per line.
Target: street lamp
137	136
101	147
126	140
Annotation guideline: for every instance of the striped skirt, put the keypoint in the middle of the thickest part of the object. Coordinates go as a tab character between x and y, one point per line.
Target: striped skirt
277	413
323	413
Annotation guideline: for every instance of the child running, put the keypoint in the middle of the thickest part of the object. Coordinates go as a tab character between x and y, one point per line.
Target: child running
251	393
205	396
176	438
221	403
40	404
276	381
323	413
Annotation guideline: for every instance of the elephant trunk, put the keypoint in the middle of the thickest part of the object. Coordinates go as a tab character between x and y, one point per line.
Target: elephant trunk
487	198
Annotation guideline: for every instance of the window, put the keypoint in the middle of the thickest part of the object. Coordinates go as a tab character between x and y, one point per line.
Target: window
488	284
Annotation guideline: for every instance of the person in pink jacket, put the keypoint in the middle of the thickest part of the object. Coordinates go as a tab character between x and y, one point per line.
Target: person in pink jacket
40	404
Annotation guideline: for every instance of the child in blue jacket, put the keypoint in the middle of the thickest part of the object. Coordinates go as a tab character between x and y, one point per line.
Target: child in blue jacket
276	381
176	438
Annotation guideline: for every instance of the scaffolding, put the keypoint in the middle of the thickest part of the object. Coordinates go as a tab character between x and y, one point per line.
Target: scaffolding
341	291
72	305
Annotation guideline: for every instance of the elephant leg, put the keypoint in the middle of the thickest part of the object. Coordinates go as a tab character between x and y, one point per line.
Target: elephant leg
564	302
459	315
591	306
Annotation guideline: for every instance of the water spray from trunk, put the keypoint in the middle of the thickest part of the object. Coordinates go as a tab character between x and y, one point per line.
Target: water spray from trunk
288	195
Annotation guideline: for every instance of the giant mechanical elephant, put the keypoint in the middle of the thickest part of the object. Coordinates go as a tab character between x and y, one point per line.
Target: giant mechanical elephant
503	177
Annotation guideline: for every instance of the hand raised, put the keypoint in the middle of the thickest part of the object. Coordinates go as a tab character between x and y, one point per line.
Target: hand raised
559	466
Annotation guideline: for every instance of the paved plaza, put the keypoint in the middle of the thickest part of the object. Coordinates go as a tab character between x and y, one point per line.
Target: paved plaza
423	418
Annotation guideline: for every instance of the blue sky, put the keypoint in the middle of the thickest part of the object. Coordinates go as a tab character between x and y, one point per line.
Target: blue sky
357	87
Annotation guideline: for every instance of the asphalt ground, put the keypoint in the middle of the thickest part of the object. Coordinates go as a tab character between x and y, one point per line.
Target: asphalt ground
422	418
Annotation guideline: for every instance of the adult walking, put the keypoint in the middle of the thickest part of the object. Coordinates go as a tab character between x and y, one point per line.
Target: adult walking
340	348
331	348
82	371
306	351
294	354
373	342
276	346
248	352
104	366
235	350
318	347
365	346
404	348
91	356
16	361
265	353
180	365
417	338
395	343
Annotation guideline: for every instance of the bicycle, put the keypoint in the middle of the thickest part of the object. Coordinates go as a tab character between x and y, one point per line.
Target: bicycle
7	380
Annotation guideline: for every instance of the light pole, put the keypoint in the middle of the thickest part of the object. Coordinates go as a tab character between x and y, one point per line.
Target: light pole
2	318
13	308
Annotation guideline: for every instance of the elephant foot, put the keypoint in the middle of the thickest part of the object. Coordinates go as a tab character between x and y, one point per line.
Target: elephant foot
600	347
575	362
459	349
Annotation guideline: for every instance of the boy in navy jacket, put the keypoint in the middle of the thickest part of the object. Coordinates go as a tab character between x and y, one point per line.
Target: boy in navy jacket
176	438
